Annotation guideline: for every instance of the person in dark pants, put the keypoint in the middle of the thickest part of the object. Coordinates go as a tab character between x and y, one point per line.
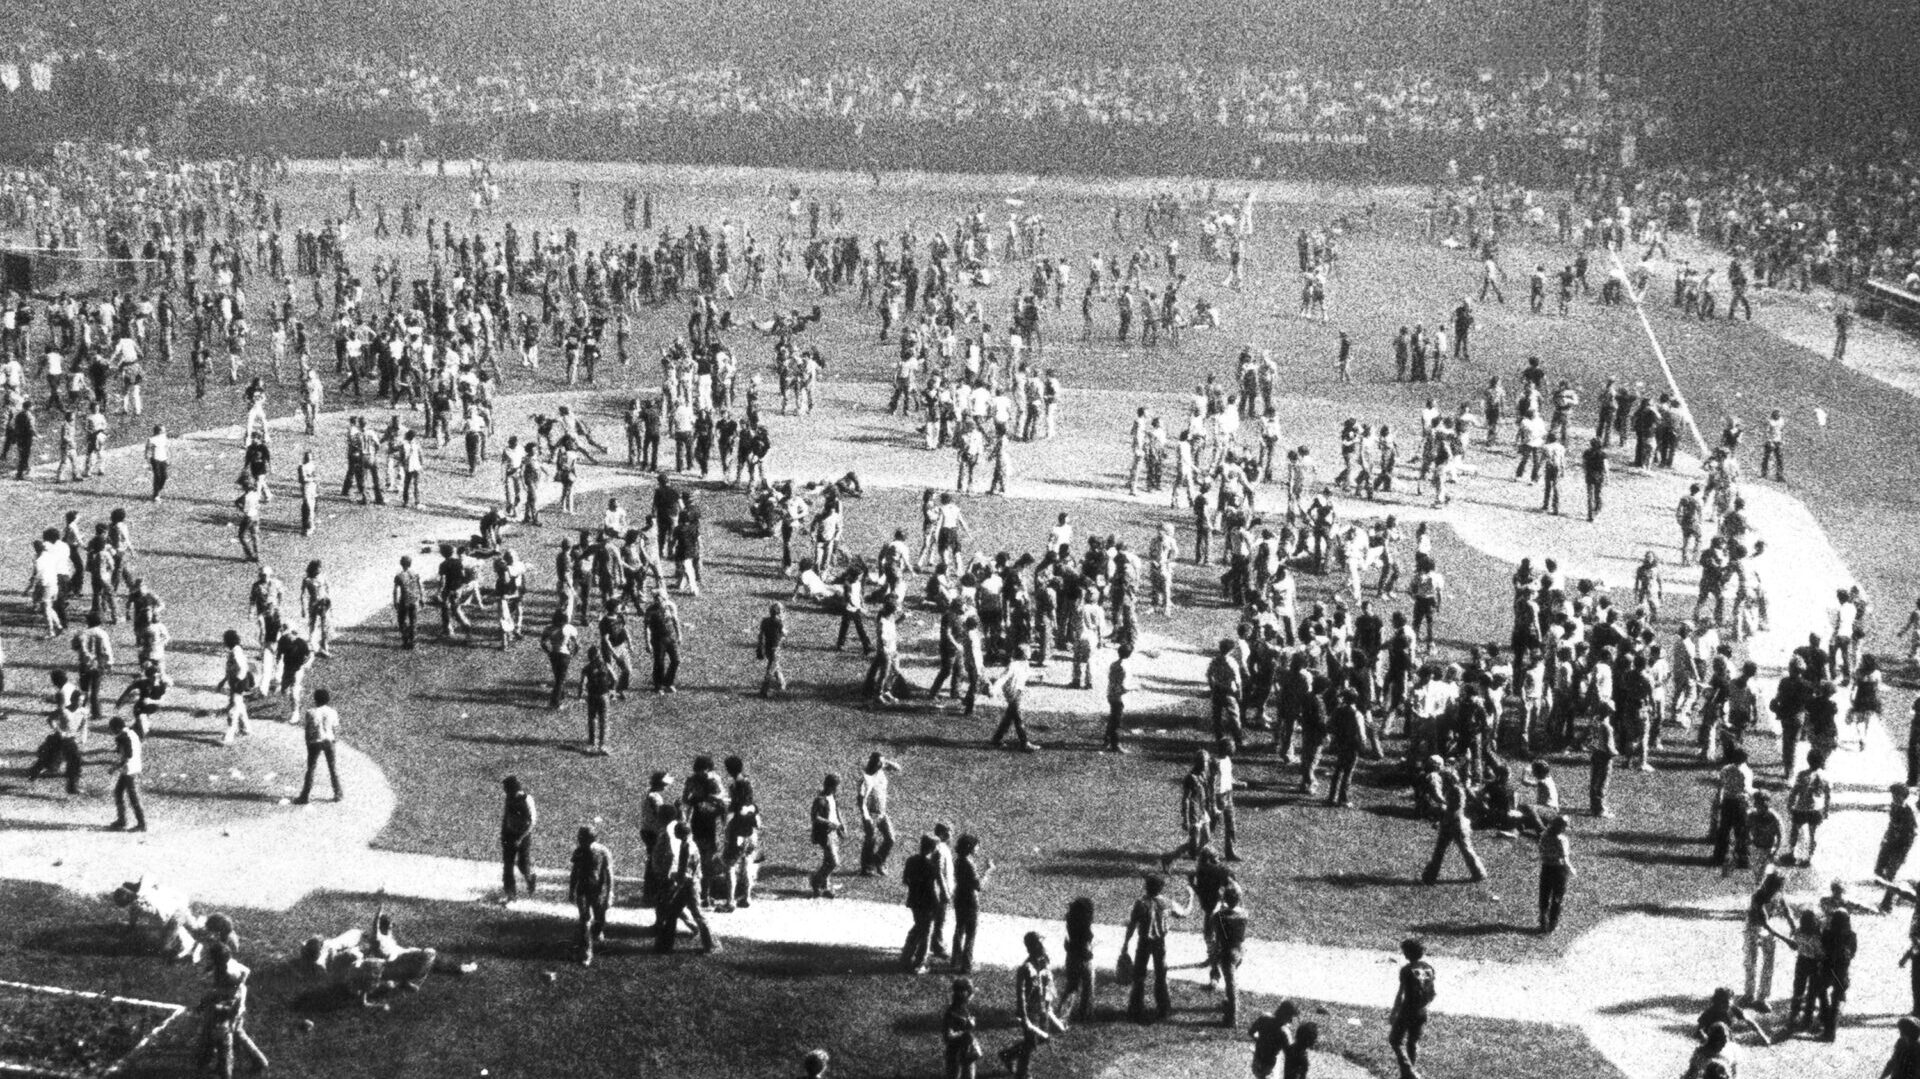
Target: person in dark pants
20	437
559	642
1148	924
1455	831
1033	1009
597	683
682	896
1736	802
159	450
1408	1019
970	879
663	639
1011	687
62	746
922	880
517	820
1600	754
1349	738
407	593
323	731
126	785
590	888
1556	872
1230	945
1897	842
1552	461
1116	699
1594	463
1789	705
1913	748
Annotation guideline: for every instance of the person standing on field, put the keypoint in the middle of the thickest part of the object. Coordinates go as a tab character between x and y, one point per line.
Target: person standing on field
517	820
130	751
876	826
322	731
826	832
590	888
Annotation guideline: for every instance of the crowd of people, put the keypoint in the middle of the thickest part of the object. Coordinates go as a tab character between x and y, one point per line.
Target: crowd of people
1318	685
484	86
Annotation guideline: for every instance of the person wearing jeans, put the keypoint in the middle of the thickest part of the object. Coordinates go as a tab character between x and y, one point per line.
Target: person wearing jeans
323	731
1148	923
827	830
877	828
517	819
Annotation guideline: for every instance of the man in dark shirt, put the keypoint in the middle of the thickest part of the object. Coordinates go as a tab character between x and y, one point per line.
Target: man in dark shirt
922	882
590	887
517	818
1594	463
1410	1003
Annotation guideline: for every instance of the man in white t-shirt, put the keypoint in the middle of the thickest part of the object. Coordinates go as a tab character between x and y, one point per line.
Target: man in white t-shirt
1772	451
159	454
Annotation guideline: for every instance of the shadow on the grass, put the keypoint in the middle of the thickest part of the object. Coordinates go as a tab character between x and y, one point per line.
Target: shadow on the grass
199	795
1471	929
1654	857
1653	839
1100	863
814	960
1679	911
112	940
47	825
521	741
1366	880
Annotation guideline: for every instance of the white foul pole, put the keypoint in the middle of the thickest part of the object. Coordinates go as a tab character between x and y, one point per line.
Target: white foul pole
1673	385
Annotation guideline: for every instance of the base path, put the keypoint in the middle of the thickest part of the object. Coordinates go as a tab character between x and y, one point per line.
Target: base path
1632	983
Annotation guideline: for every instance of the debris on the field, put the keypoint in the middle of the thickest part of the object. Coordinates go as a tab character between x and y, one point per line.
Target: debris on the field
549	977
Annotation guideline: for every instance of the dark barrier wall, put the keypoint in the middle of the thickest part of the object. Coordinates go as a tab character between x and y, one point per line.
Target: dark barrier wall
113	111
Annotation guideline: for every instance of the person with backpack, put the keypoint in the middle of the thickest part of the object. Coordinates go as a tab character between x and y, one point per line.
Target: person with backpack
1408	1019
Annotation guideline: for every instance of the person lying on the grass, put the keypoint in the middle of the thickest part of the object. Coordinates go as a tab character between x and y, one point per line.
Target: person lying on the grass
848	485
364	964
179	933
831	595
1724	1011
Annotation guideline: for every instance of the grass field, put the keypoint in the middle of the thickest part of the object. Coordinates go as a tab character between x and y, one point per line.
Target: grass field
1061	823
